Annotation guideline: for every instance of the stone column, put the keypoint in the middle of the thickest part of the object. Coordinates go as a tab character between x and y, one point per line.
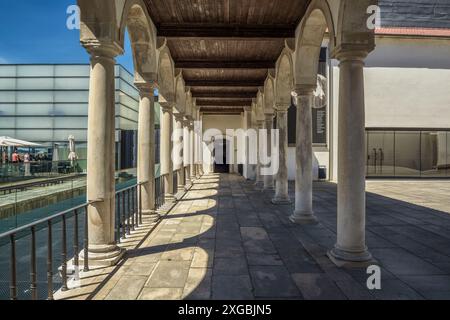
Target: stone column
166	150
248	126
179	118
259	184
186	153
303	158
103	250
146	149
268	178
351	212
281	186
192	152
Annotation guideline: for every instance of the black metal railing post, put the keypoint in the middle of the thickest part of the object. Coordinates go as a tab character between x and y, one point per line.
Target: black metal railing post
76	262
64	255
86	241
13	270
33	272
49	261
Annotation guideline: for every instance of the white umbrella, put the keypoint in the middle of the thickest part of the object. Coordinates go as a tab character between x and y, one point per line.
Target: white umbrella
72	154
10	142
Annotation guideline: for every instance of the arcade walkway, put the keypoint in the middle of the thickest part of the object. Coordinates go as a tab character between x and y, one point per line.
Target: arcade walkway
225	240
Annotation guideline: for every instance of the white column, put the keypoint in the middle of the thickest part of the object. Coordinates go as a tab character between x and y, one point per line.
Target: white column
186	153
192	152
178	145
103	250
248	126
259	184
281	186
303	158
166	150
351	215
146	149
268	179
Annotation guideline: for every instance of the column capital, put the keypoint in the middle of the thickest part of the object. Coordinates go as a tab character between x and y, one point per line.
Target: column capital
179	117
167	107
281	107
304	90
102	49
351	52
146	88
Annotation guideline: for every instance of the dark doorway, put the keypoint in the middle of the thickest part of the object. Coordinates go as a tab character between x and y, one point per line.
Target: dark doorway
220	156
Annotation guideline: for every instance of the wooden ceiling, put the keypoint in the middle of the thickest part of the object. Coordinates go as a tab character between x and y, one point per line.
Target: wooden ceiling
225	47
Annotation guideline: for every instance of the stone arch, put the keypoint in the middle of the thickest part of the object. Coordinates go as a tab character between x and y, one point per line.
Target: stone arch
166	74
284	81
310	34
352	29
180	92
143	39
269	95
98	23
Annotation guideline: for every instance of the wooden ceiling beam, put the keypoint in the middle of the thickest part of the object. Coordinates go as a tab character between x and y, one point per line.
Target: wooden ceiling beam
224	83
210	64
224	95
225	31
224	103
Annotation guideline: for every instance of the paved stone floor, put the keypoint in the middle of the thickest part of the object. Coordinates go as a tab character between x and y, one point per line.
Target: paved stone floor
225	240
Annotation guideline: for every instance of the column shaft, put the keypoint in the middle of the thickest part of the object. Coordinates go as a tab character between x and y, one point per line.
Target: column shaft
268	178
179	152
351	246
101	160
259	184
303	159
186	153
146	151
281	187
166	151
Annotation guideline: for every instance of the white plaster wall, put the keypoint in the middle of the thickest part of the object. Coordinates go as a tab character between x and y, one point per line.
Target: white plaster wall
407	85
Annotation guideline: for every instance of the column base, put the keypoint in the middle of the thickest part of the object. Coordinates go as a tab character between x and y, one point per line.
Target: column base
104	255
303	218
170	198
151	214
281	201
351	259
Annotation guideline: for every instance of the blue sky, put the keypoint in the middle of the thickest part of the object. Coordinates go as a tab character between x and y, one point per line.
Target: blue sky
34	31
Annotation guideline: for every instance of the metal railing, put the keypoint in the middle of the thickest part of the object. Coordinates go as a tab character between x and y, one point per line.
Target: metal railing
175	182
159	192
48	224
128	211
128	218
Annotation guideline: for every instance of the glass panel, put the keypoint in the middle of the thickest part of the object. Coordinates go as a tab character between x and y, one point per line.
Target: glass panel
447	164
128	113
434	154
127	100
7	96
71	122
380	153
72	84
72	96
407	153
7	83
7	122
35	71
7	109
34	122
35	109
35	83
72	71
35	135
35	96
71	109
63	135
7	71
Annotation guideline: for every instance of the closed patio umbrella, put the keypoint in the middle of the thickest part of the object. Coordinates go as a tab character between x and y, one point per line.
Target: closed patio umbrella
72	154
